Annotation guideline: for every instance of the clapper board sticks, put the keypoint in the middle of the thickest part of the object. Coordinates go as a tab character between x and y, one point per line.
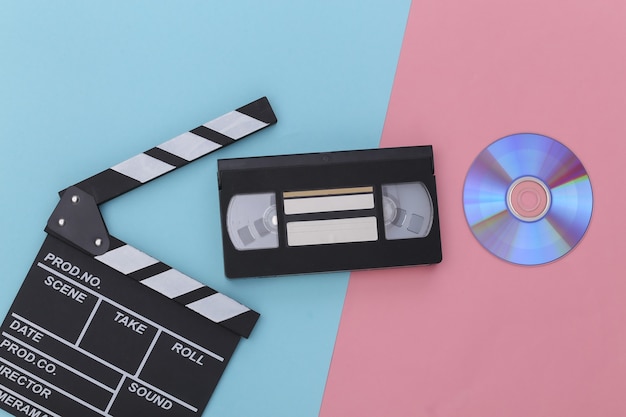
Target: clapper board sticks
100	328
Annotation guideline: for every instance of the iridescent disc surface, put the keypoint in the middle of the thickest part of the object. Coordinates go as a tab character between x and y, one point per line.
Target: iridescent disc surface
527	199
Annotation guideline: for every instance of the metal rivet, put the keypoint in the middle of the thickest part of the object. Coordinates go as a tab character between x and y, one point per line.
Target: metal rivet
98	242
75	199
61	222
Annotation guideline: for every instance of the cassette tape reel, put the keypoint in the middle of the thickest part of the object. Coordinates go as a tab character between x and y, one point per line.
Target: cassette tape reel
407	210
326	212
252	221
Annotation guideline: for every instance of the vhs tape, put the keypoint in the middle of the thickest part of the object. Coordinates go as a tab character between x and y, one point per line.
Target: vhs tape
332	211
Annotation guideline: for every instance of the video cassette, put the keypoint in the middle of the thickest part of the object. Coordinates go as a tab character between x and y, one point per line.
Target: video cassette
332	211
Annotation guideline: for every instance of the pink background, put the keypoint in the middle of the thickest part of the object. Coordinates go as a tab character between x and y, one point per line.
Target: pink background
474	335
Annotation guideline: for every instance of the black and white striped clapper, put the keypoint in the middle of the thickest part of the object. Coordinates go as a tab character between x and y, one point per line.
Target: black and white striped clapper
100	328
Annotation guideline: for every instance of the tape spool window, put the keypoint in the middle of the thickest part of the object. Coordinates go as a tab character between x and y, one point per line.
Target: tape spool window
252	221
407	210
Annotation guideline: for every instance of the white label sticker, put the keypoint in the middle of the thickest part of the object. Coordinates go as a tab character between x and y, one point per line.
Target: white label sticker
329	203
323	232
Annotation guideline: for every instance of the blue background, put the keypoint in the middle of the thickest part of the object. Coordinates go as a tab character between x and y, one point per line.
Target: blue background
85	85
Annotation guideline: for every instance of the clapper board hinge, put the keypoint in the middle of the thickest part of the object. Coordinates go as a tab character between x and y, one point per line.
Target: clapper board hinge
77	220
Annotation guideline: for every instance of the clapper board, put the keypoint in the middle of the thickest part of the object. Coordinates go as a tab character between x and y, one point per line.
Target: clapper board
100	328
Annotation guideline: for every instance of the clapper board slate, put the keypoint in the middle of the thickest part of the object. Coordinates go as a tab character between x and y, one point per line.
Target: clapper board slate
100	328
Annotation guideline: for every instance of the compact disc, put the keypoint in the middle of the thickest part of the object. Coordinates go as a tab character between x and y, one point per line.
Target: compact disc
527	199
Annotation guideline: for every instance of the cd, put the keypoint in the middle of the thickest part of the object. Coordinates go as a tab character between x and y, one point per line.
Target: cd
527	199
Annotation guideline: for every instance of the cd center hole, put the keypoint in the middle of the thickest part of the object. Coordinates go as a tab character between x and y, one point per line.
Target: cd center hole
529	199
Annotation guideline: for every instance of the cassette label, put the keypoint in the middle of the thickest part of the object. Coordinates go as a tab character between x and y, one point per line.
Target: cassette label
321	232
301	202
333	211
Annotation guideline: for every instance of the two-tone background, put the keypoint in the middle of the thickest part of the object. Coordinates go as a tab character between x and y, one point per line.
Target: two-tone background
85	85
